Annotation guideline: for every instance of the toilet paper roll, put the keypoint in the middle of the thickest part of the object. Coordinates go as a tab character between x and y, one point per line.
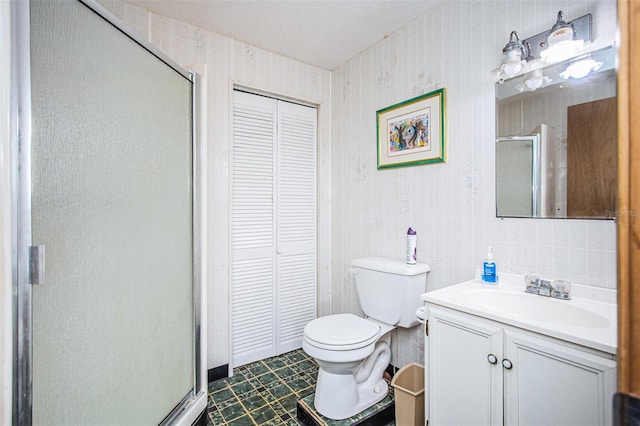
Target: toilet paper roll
421	315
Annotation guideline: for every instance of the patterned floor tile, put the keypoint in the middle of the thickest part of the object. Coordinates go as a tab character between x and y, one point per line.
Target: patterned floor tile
242	388
276	363
245	420
284	372
263	393
232	411
223	395
264	415
268	378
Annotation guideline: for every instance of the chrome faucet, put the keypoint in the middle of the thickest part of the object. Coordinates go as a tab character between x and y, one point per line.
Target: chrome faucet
558	289
545	288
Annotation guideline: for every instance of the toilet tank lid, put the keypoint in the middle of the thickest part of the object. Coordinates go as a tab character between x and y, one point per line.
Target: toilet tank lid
392	266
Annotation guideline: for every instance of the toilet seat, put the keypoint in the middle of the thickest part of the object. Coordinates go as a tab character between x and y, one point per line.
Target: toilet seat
341	332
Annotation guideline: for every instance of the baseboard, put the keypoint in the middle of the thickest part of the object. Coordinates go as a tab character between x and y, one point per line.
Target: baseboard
218	373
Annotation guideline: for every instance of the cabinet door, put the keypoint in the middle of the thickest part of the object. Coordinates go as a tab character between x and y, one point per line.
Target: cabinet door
464	387
551	383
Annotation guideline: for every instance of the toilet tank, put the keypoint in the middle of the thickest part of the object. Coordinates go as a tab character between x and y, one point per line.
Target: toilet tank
389	290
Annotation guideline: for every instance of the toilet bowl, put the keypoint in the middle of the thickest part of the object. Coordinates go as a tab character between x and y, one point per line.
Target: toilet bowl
353	352
339	343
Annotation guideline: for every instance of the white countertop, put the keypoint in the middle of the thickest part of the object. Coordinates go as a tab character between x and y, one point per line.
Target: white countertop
588	319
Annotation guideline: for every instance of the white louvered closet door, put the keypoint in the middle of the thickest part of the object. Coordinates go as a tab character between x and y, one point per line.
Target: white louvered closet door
273	221
296	223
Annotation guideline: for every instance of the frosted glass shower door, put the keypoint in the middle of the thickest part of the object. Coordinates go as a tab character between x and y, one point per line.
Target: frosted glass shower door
112	202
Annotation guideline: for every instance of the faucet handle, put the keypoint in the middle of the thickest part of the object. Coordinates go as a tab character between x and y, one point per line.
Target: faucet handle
562	289
532	284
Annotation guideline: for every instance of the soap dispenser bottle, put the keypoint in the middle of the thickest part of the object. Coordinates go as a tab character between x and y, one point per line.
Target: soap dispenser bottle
489	274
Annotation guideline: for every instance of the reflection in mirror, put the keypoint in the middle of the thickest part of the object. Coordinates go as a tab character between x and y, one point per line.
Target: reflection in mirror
556	140
525	177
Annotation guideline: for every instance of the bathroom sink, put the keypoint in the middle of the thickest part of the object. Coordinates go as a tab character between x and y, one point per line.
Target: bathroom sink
588	319
534	308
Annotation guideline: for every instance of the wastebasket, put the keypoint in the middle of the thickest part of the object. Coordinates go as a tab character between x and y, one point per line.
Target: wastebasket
409	394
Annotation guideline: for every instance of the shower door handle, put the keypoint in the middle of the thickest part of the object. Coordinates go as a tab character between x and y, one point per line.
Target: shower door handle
36	265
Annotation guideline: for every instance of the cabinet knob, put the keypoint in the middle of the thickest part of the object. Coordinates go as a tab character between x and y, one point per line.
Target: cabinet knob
507	364
492	359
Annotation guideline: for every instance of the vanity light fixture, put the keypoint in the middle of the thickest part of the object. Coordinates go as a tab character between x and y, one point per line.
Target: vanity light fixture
533	81
581	68
561	41
514	56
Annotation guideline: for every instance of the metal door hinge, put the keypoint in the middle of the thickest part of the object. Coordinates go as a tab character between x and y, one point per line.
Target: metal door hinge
426	327
36	265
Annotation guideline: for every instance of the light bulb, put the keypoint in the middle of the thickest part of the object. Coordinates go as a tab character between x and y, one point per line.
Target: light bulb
561	50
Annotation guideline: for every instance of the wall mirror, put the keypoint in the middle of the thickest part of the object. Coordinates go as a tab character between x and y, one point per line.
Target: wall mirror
556	140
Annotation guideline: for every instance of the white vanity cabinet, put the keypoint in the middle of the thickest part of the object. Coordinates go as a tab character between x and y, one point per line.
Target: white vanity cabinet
462	387
484	372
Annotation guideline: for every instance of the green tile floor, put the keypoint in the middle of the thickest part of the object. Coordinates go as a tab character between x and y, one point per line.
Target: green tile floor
264	392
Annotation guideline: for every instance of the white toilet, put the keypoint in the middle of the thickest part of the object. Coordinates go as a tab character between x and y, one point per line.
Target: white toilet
354	352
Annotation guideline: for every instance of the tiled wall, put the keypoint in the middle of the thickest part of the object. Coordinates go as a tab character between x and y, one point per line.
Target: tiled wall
226	63
455	45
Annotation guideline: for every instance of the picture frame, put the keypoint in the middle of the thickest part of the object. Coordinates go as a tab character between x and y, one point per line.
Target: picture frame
412	132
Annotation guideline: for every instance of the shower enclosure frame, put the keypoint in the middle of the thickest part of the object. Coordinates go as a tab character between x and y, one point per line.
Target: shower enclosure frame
193	405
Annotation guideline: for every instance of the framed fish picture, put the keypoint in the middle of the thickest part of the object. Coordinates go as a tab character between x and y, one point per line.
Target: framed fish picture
412	132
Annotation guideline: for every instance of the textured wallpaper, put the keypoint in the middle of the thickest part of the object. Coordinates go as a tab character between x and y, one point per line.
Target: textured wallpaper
455	45
364	211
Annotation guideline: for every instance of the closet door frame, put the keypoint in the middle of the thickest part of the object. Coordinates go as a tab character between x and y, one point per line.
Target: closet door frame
254	90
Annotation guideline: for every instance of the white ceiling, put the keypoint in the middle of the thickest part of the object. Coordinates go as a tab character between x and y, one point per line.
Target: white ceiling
324	33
